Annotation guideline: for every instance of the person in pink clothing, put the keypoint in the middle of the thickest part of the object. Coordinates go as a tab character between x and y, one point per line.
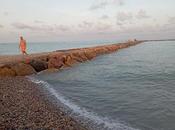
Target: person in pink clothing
22	45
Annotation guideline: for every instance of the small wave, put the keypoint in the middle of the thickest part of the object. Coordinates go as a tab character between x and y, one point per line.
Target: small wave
82	112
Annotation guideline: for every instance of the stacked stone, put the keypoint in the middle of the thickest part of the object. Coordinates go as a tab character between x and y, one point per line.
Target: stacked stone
59	59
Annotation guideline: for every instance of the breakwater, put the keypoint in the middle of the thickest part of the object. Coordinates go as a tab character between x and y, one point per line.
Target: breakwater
56	60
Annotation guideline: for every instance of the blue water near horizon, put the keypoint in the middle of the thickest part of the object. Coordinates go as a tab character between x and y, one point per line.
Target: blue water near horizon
37	47
133	88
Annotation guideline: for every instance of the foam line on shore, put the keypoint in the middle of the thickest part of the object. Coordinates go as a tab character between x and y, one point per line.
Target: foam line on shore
102	122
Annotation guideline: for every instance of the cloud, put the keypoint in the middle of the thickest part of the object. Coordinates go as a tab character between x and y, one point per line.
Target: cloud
121	2
93	27
118	2
171	20
1	26
104	17
169	26
62	28
142	14
104	3
100	5
124	18
6	13
119	23
86	24
103	26
26	26
38	21
41	28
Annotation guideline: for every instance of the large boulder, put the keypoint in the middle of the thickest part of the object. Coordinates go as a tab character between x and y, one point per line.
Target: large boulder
6	71
82	55
22	69
38	65
113	48
56	61
69	61
124	45
78	56
101	50
98	50
90	53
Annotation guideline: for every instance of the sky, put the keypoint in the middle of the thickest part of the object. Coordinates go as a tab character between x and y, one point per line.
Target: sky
82	20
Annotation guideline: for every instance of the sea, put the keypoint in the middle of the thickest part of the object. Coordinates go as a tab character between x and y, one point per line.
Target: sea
131	89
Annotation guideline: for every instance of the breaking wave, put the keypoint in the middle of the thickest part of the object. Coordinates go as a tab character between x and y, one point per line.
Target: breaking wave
95	121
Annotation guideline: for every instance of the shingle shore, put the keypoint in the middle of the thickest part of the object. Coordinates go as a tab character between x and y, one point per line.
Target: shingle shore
24	106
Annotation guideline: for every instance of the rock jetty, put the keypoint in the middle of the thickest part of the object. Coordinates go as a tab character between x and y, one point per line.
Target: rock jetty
51	61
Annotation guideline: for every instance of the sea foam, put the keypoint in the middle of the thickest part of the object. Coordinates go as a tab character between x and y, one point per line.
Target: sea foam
97	122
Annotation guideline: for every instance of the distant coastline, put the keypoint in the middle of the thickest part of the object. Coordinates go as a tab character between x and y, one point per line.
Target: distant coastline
152	40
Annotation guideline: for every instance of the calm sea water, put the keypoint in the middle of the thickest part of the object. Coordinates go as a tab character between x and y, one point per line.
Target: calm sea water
131	89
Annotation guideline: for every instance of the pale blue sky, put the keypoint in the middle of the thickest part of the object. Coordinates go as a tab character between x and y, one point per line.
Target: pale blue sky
70	20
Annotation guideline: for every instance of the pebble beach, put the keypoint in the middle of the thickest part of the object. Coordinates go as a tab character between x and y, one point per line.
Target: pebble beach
24	106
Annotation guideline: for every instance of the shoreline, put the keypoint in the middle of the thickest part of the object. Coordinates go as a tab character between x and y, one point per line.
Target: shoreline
24	105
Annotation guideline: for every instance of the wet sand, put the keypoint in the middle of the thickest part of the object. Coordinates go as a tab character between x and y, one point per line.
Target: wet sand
23	105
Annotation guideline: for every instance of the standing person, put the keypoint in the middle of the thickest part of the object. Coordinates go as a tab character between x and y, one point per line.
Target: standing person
22	45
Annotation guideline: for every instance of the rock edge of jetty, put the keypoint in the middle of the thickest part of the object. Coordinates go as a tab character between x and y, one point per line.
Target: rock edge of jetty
19	65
